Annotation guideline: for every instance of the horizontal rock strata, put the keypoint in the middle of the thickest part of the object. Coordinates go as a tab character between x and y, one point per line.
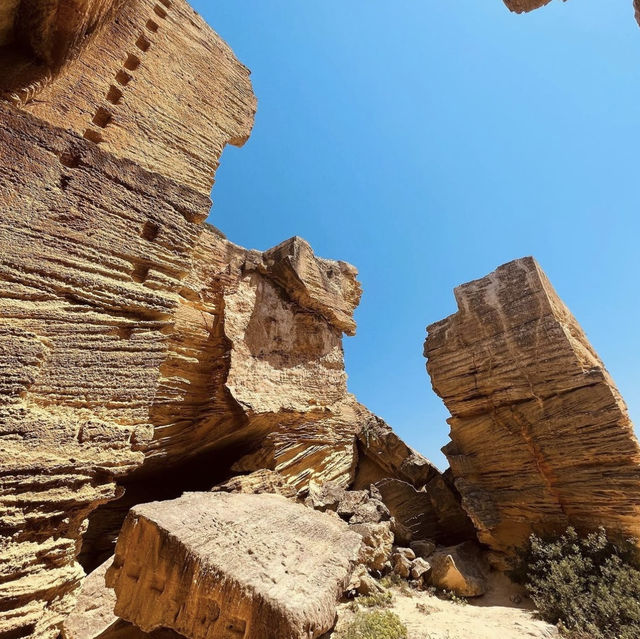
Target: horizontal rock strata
100	221
232	565
116	88
541	438
135	340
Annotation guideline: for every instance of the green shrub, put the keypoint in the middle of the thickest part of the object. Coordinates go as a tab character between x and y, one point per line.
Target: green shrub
589	586
377	600
377	624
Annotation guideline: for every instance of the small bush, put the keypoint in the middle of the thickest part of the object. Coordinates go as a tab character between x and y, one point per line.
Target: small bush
451	596
377	624
589	586
377	600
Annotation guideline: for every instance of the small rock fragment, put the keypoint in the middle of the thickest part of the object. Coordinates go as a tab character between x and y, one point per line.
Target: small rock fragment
401	564
423	548
419	567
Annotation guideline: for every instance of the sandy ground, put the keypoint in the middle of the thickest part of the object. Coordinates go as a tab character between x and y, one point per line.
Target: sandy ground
493	616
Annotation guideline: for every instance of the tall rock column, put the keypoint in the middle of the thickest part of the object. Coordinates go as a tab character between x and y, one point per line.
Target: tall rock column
541	438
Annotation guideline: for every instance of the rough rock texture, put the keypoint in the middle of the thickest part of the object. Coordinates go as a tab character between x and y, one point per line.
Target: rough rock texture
521	6
377	544
137	52
262	481
383	454
421	499
81	343
432	513
135	340
93	614
249	374
95	249
232	565
354	506
516	370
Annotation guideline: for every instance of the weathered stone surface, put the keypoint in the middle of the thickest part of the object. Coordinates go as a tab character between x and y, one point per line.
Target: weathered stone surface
419	568
123	353
401	562
329	289
134	334
363	583
521	6
100	220
139	52
52	31
354	506
325	496
262	481
220	564
136	340
377	544
93	614
383	454
83	341
460	569
537	422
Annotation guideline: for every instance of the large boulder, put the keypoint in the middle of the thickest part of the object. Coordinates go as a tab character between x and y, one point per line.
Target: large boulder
460	569
236	565
541	438
93	616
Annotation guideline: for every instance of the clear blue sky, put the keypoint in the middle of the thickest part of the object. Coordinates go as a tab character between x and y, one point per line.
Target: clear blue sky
429	141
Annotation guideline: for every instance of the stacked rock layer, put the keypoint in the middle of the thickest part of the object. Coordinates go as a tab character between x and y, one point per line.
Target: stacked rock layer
541	438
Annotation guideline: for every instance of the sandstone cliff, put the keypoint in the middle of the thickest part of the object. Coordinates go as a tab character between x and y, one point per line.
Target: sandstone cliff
136	342
515	370
97	236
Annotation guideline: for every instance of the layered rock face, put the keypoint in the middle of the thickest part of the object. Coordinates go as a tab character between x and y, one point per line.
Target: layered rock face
515	370
95	249
136	340
232	565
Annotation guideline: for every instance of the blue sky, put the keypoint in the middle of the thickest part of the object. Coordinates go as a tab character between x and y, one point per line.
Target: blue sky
429	141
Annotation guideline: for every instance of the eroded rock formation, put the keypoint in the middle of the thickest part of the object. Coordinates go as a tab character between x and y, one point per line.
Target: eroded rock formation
98	232
541	438
521	6
137	342
134	339
232	565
